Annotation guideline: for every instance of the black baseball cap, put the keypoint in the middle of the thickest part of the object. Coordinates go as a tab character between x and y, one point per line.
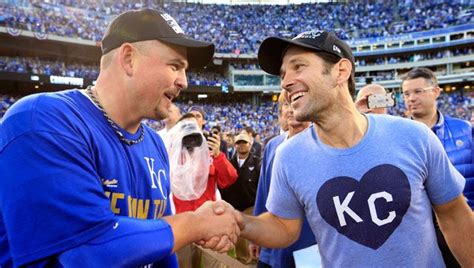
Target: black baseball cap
149	24
272	49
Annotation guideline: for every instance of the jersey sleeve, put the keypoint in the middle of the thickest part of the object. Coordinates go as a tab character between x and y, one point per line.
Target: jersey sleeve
444	183
51	197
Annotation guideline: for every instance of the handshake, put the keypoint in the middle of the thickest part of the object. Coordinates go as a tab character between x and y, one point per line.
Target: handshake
220	224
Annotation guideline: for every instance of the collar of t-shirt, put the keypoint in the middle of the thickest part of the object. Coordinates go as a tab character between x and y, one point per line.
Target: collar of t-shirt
241	161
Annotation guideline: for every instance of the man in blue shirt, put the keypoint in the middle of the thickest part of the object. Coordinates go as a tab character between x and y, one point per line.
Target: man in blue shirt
83	182
366	183
420	91
279	257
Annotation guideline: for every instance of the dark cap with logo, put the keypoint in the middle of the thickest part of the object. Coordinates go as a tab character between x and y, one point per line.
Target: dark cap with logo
272	49
149	24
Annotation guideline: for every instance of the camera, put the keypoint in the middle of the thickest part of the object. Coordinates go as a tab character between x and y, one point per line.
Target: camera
381	100
192	140
210	134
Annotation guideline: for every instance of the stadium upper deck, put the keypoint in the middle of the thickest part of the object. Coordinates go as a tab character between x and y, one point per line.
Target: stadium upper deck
239	29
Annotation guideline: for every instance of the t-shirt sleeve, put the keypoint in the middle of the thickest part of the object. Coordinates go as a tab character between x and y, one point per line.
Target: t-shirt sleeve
51	197
282	200
444	183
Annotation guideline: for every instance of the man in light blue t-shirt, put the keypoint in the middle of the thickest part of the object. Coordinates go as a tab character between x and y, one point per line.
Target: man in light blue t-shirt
366	183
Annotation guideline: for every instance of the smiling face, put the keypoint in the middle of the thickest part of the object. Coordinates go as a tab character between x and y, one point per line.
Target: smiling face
159	76
308	82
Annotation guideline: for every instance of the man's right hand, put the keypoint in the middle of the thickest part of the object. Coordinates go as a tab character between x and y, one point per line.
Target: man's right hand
222	228
214	143
362	102
220	243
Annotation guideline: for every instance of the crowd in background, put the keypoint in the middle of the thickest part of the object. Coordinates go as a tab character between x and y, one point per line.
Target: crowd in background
35	65
239	28
60	68
414	57
232	117
48	67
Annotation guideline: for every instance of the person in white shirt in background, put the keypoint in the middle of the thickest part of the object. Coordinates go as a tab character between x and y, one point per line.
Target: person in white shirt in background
174	113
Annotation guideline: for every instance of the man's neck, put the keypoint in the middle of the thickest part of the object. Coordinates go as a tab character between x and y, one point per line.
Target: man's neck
295	130
112	93
118	106
429	120
342	130
243	156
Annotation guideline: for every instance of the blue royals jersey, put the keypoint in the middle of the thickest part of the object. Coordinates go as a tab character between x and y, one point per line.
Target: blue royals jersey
65	175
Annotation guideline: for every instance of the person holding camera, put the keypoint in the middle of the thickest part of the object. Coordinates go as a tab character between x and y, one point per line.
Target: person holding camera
363	96
198	167
221	172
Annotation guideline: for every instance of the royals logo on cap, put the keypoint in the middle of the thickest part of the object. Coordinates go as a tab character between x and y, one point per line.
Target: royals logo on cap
308	35
272	49
172	23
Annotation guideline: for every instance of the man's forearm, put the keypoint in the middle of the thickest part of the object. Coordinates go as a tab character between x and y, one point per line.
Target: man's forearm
185	229
458	230
270	231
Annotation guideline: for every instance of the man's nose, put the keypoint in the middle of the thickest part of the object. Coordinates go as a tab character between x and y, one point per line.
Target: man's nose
182	81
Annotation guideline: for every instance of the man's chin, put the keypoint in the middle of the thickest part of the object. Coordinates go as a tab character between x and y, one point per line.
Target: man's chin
301	117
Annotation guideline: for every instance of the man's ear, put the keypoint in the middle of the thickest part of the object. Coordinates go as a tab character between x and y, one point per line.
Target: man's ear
126	55
344	70
437	91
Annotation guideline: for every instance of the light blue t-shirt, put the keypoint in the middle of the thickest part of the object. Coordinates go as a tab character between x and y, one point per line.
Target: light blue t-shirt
368	205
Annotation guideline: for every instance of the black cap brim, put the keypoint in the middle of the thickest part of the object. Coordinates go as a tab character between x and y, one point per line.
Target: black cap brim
270	53
199	53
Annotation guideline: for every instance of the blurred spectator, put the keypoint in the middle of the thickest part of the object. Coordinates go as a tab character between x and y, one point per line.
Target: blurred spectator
216	130
255	146
232	117
174	114
362	99
241	194
279	257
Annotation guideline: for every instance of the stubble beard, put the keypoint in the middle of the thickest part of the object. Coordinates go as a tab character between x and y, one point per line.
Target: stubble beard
159	113
307	113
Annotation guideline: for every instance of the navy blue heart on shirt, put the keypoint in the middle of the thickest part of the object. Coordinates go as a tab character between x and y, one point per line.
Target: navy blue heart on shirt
366	211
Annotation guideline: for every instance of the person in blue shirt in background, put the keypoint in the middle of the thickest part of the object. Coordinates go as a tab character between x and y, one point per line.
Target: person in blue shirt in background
83	182
420	90
268	257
